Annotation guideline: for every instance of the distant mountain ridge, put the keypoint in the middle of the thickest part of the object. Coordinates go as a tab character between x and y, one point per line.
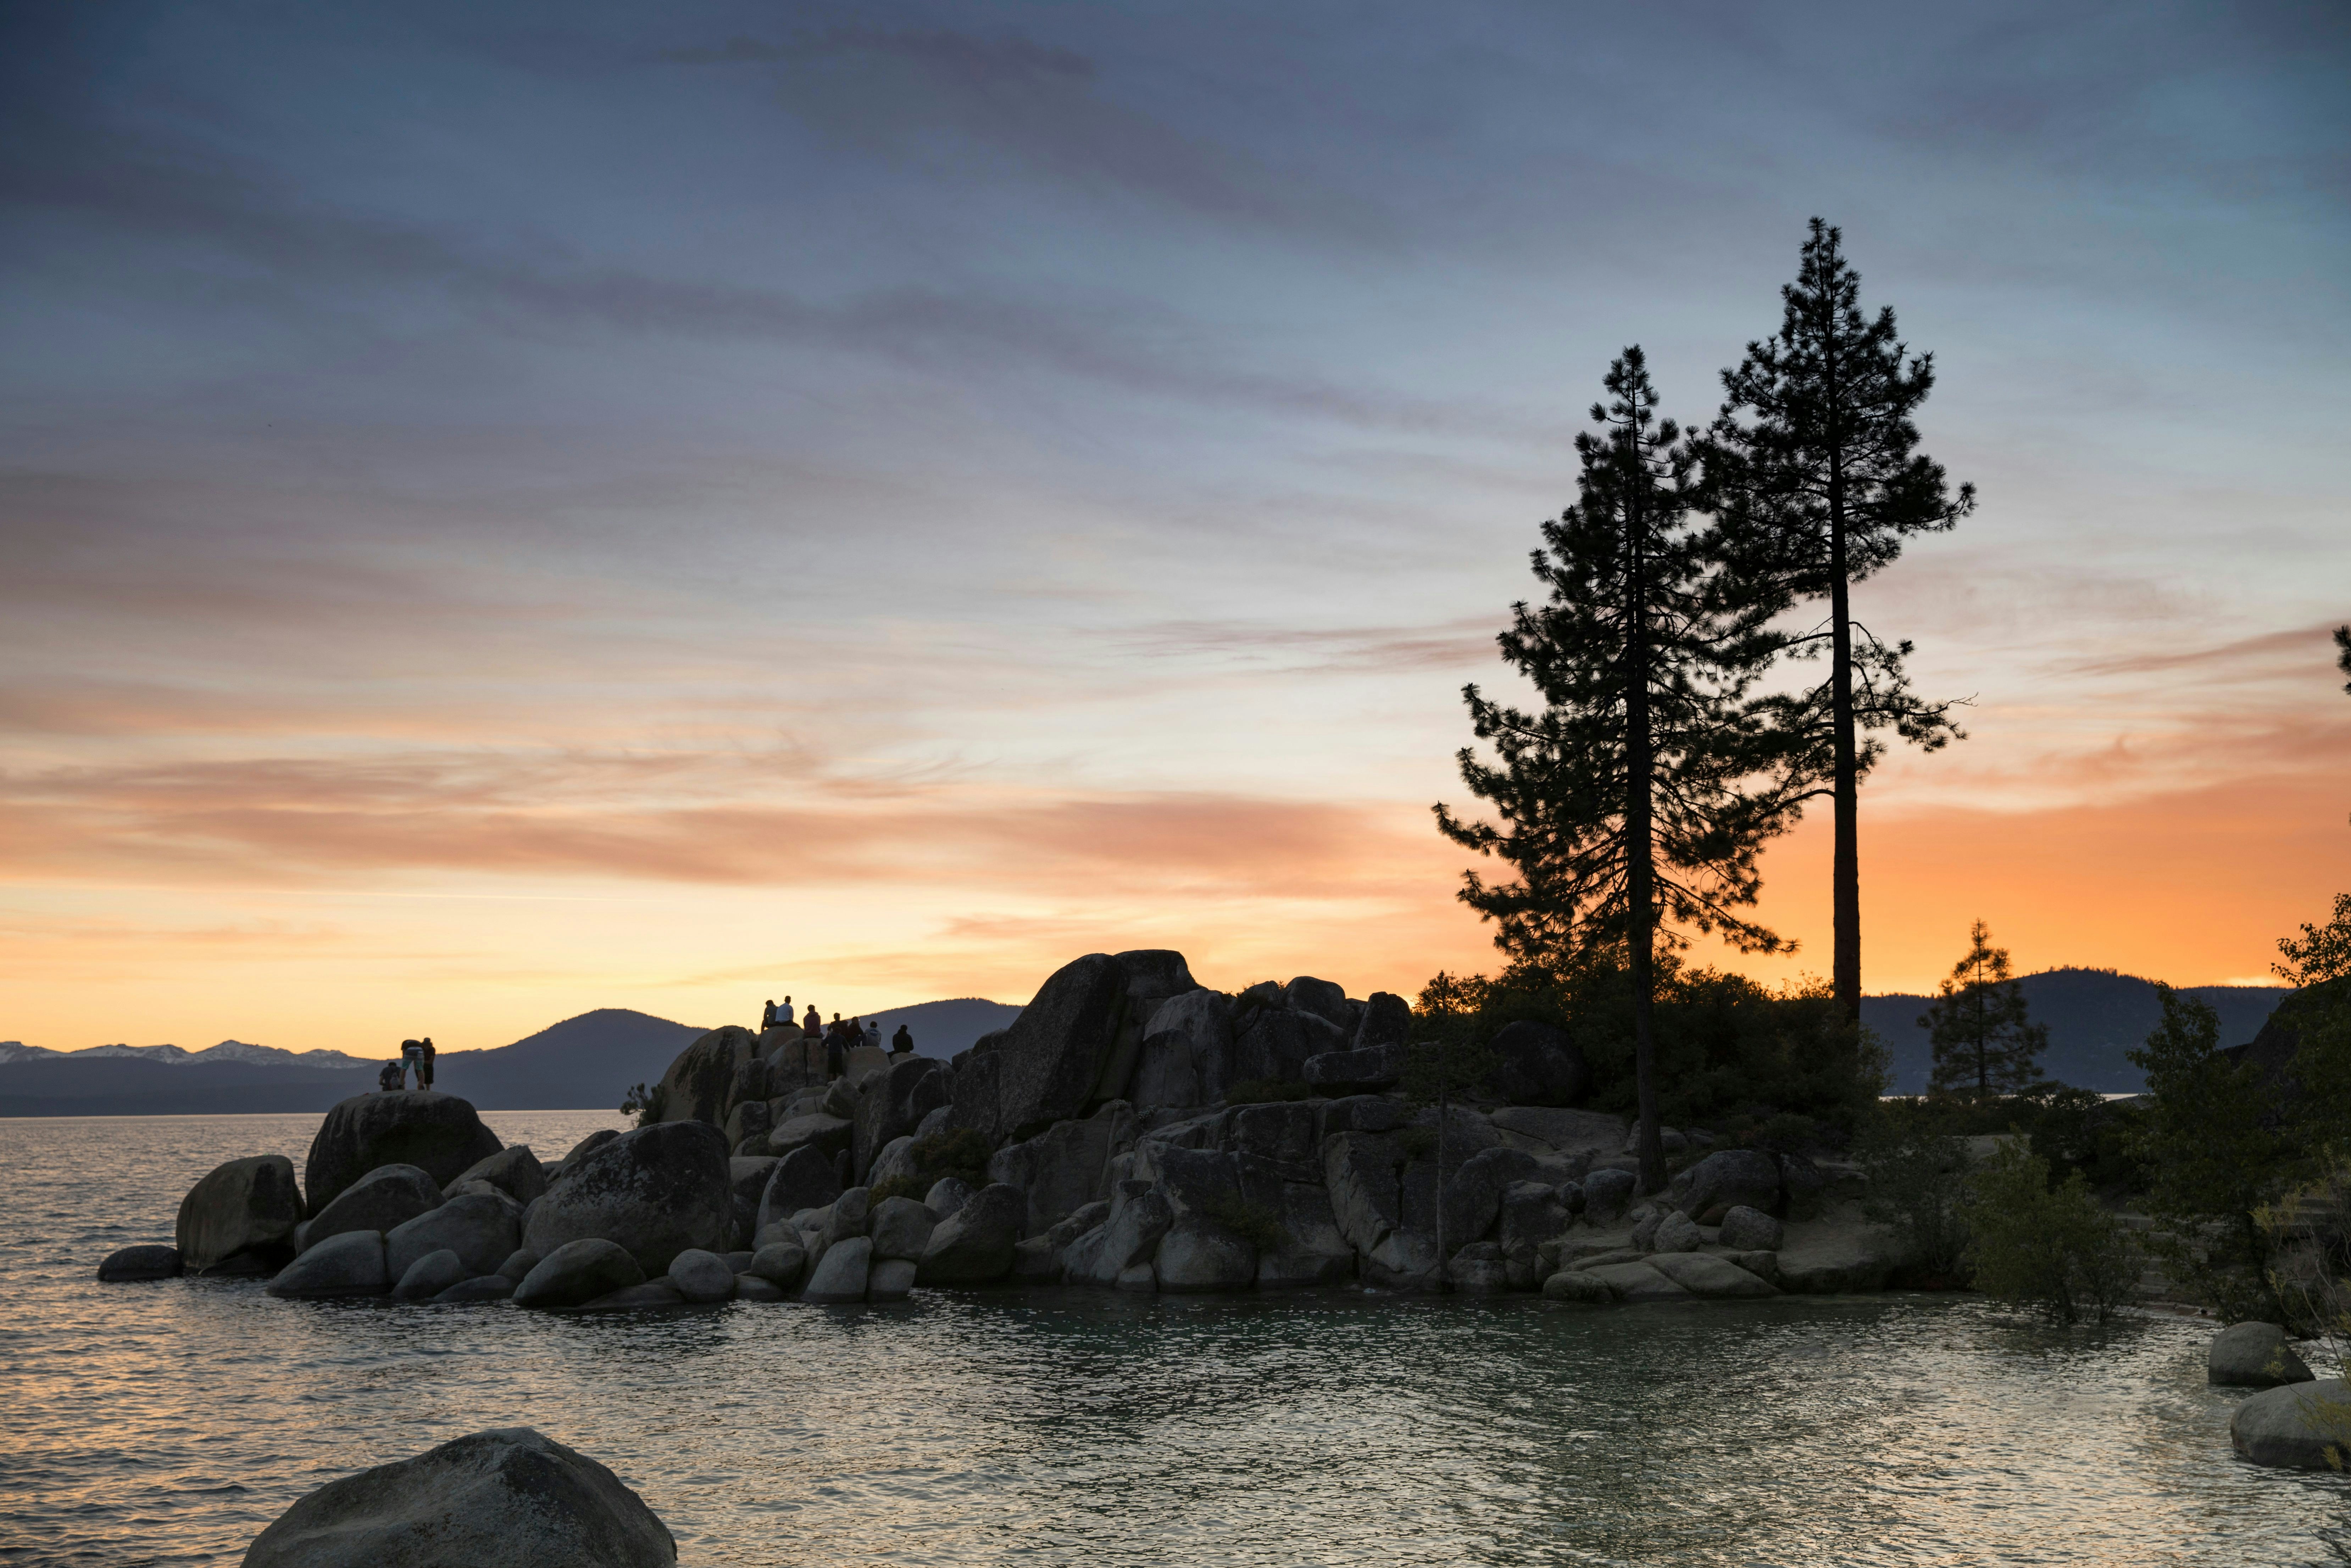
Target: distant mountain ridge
2095	1018
585	1063
12	1052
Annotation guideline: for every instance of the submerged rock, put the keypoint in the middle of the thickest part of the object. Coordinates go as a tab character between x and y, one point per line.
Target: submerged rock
149	1262
2253	1355
507	1497
2301	1427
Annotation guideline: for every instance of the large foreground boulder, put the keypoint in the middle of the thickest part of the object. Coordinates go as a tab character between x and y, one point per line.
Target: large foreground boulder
1067	1165
804	1178
909	1089
2253	1355
656	1191
2300	1426
438	1134
1725	1180
697	1085
507	1497
241	1218
384	1199
1186	1055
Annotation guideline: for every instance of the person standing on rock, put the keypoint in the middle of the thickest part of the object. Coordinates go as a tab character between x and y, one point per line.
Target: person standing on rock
836	1050
424	1062
412	1062
903	1042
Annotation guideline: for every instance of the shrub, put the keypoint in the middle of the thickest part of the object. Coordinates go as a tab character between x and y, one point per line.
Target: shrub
912	1187
643	1104
1919	1184
1267	1091
1252	1222
959	1152
2053	1249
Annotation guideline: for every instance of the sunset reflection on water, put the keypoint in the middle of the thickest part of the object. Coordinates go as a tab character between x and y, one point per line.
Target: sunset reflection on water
167	1423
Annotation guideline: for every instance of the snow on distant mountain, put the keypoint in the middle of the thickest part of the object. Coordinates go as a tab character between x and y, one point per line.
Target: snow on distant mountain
179	1056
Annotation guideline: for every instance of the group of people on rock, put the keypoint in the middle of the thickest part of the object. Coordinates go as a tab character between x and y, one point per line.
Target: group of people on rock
839	1038
415	1057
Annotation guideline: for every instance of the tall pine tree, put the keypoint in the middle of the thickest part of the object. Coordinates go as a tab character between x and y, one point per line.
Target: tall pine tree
1625	800
1984	1039
1816	473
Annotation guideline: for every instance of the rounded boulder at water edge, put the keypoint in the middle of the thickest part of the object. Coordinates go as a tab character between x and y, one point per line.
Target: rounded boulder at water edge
1676	1232
384	1199
890	1279
153	1262
430	1275
1198	1254
752	1288
1606	1193
506	1497
348	1264
2253	1355
438	1134
841	1273
701	1276
2297	1427
577	1272
488	1288
976	1244
801	1179
241	1217
481	1228
1575	1285
901	1227
656	1191
781	1263
1727	1179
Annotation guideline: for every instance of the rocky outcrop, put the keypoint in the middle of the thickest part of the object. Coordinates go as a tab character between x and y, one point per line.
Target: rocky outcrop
2253	1355
1363	1069
1607	1194
1716	1279
438	1134
240	1218
909	1089
1746	1230
700	1083
900	1229
1565	1131
656	1191
802	1179
1827	1259
148	1262
1537	1064
384	1199
1140	1214
1067	1165
348	1264
781	1263
975	1245
821	1131
2301	1427
579	1272
481	1228
1727	1179
514	1171
1198	1254
506	1497
1186	1056
1047	1066
1311	1251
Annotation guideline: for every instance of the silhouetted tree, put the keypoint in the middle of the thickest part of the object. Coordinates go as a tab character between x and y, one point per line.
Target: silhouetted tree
1985	1041
1814	467
1625	798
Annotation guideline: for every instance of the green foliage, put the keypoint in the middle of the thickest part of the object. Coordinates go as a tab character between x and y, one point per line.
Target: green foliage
1984	1042
1919	1186
1252	1222
2077	1130
1267	1091
2217	1153
644	1104
912	1187
1452	1057
2322	953
2051	1249
958	1152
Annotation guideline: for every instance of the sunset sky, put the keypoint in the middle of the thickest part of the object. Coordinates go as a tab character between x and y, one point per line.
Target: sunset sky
504	511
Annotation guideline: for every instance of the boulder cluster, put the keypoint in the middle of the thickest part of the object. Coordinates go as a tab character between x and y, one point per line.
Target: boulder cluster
1130	1130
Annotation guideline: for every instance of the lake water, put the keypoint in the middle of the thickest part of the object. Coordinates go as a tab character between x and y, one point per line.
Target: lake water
169	1421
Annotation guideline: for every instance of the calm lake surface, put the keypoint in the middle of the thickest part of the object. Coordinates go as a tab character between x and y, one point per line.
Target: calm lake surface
169	1421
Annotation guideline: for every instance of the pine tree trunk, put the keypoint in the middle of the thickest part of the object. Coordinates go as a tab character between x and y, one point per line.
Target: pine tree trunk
1640	887
1845	874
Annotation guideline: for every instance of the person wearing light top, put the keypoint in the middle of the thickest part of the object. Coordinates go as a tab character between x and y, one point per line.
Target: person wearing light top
873	1034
